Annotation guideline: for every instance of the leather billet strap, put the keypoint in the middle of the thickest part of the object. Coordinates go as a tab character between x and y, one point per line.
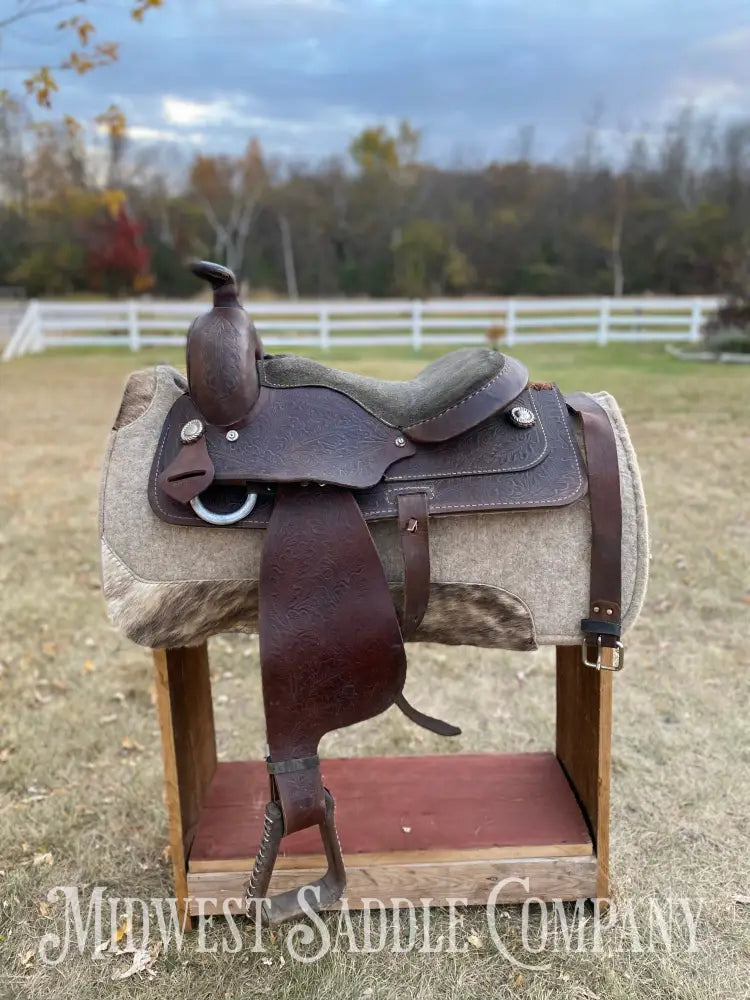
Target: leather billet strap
413	535
603	624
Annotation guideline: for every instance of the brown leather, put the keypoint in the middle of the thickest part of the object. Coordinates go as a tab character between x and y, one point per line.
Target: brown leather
426	721
222	349
295	435
494	396
330	646
413	533
496	466
190	473
605	588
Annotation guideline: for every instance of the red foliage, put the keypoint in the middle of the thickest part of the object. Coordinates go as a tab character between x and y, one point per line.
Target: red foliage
119	260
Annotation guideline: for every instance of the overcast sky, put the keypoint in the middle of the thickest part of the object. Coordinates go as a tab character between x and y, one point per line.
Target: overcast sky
305	75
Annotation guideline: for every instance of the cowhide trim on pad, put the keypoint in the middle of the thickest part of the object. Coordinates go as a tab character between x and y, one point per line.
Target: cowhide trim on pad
185	613
136	399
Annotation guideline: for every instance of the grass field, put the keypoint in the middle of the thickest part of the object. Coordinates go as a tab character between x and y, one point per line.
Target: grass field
80	778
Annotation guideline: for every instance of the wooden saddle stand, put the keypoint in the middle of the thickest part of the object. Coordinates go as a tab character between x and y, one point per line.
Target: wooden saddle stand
313	462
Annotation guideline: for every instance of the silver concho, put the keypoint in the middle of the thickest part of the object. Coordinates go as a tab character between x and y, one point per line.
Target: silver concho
522	416
232	435
192	431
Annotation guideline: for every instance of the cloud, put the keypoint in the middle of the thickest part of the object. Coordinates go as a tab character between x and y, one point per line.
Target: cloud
178	111
730	41
305	75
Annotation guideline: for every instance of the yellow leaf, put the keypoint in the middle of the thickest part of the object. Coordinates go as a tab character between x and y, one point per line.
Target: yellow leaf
84	29
89	666
519	980
5	754
43	859
123	929
44	910
49	648
113	201
26	956
129	744
109	51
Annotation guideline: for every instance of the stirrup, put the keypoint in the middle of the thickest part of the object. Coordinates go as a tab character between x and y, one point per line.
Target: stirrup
286	905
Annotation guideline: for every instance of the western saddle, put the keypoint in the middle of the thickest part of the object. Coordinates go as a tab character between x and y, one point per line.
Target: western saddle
311	455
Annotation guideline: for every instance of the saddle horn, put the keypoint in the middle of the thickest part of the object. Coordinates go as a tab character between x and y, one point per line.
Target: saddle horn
223	348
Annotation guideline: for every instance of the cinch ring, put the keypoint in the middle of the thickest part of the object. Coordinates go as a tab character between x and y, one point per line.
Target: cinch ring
231	518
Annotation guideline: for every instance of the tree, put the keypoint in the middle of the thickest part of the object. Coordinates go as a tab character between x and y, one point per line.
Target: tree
229	191
118	259
376	149
86	53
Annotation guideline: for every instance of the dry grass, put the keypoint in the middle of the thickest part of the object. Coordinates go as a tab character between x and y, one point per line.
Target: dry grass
72	689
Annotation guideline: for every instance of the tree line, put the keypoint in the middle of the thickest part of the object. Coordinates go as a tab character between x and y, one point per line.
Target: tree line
665	215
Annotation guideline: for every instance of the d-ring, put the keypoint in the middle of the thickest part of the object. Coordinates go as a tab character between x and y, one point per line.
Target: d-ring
231	518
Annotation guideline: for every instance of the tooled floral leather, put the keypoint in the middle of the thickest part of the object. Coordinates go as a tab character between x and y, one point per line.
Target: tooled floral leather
295	435
495	466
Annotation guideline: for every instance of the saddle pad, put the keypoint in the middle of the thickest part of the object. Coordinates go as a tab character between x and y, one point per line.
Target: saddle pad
502	577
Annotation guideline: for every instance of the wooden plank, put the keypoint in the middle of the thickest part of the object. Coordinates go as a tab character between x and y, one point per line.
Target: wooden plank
183	697
472	881
584	744
405	804
408	857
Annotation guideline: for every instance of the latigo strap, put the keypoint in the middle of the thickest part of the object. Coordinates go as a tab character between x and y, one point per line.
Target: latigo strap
602	627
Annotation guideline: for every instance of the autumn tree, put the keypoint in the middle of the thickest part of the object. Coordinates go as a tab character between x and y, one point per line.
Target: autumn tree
229	191
87	52
119	260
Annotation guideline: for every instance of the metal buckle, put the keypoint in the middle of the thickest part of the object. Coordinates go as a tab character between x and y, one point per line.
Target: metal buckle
597	664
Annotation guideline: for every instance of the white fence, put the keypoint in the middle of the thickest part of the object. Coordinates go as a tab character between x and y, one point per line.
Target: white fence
140	323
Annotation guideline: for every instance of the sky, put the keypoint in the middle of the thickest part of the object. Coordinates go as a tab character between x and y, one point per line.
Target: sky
304	76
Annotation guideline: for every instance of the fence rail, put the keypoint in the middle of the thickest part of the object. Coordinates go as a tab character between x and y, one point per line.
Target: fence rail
340	323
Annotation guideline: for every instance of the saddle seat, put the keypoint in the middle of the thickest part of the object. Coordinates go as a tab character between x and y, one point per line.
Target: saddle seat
442	385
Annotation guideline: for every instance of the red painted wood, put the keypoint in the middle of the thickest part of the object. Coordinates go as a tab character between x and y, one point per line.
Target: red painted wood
449	801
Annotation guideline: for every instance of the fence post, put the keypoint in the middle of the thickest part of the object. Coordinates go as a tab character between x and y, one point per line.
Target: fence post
510	322
602	333
696	317
36	330
134	333
325	330
416	324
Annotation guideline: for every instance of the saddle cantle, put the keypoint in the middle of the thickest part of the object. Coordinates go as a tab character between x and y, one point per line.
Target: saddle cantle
319	463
